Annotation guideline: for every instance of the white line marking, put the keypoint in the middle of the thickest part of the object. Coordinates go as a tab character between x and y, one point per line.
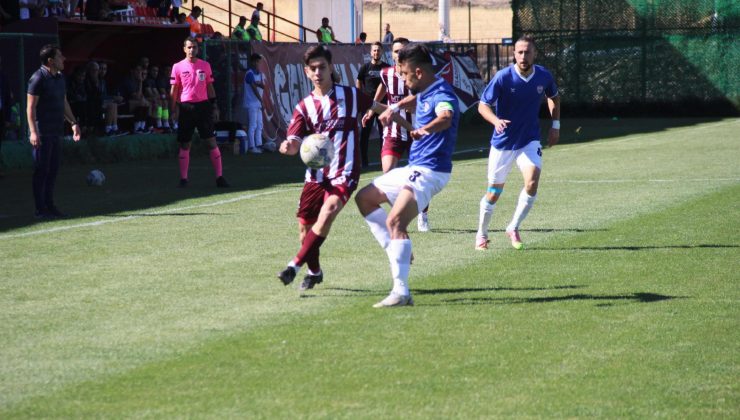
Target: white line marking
136	216
618	181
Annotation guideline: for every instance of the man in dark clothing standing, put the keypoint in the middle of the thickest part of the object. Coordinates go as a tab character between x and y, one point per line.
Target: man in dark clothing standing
368	80
47	109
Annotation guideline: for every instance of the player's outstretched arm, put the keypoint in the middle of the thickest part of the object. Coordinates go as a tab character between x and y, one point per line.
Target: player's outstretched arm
553	136
290	146
408	103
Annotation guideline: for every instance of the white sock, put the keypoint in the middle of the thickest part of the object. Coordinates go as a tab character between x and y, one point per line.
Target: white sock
399	255
166	124
376	220
115	127
297	268
522	209
486	213
311	273
159	123
108	128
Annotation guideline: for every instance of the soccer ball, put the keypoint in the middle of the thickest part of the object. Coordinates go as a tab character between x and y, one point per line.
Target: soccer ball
95	178
317	151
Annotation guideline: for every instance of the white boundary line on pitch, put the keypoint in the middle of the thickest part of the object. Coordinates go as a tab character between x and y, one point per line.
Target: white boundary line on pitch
136	216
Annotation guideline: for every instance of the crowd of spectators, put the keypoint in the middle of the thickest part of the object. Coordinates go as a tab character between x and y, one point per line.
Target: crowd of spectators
141	97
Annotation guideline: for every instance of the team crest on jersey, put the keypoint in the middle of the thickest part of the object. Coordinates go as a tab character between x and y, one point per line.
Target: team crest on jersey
201	76
426	106
540	89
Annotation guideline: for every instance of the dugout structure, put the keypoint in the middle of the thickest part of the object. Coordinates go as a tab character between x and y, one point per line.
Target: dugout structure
638	57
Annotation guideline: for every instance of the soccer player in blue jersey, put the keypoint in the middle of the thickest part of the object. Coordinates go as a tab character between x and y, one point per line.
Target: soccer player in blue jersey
409	189
516	92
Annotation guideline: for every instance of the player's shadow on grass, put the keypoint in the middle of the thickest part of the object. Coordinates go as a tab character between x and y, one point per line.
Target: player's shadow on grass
634	248
368	292
541	230
177	214
604	300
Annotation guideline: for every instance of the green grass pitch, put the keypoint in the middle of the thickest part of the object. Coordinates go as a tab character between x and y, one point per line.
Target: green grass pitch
158	302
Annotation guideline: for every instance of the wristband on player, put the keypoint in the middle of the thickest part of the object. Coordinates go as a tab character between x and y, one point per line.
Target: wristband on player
556	124
393	107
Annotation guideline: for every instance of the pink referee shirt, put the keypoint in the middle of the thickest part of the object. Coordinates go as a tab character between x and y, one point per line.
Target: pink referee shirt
194	79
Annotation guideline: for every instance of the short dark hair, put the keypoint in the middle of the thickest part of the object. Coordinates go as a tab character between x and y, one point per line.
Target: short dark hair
196	9
415	55
379	44
260	5
255	57
48	51
316	51
363	36
242	19
527	38
191	39
401	40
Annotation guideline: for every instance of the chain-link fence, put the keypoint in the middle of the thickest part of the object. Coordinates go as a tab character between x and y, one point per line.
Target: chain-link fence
659	56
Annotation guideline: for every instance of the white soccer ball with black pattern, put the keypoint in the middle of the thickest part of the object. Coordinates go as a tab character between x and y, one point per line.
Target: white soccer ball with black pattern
317	151
95	178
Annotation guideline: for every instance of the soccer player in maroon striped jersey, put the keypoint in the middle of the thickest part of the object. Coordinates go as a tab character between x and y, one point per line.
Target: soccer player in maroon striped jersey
333	110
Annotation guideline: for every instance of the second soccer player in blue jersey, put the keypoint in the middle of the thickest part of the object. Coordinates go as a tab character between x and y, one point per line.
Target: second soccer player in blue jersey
410	188
516	93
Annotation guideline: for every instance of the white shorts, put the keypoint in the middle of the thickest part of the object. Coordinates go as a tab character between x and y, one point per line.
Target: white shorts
500	161
424	182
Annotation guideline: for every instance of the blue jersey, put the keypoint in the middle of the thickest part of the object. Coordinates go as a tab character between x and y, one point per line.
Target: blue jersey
434	151
518	100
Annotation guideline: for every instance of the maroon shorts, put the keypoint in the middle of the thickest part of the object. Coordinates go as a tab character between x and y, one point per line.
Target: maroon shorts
395	147
314	195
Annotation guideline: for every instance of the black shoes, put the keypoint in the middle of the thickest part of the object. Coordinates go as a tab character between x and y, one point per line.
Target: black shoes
221	182
49	214
310	281
183	183
287	276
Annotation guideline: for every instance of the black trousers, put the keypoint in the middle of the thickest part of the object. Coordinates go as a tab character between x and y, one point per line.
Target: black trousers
365	138
46	161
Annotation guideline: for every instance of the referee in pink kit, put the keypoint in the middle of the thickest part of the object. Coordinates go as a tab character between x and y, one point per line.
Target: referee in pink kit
192	89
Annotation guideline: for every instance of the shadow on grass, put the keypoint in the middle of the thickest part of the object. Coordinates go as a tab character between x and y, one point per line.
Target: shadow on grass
608	299
165	214
634	248
540	230
139	185
368	292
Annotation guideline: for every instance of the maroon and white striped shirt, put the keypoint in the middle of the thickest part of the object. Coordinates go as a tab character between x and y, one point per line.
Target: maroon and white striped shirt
395	90
336	115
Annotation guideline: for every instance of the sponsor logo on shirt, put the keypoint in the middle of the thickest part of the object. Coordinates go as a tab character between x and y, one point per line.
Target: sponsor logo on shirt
201	75
540	89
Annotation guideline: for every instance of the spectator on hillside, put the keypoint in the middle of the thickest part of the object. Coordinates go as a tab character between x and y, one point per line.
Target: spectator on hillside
325	33
111	102
256	12
253	30
135	102
192	20
361	39
240	32
182	19
175	13
388	37
77	97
